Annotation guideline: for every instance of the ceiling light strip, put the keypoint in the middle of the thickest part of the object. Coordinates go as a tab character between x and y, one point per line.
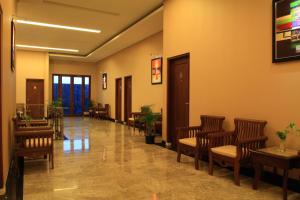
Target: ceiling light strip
46	48
57	26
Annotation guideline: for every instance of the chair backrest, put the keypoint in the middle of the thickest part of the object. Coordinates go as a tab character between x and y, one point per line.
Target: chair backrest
249	128
211	123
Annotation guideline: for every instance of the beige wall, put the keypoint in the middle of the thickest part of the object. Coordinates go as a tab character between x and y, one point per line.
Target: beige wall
231	70
76	68
134	61
8	85
31	65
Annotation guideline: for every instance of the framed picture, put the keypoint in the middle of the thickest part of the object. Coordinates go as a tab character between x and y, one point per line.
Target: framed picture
104	81
13	46
286	30
156	71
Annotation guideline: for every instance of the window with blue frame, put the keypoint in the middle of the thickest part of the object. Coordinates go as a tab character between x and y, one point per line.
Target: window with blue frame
74	91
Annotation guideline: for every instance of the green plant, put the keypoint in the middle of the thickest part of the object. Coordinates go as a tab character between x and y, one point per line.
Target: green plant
57	103
290	128
149	118
27	118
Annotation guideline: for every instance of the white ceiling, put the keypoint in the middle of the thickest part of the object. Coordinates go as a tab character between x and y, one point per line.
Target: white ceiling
130	20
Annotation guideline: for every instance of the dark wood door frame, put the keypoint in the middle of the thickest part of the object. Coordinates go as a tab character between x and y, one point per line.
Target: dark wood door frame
118	100
169	60
127	97
72	89
1	135
42	103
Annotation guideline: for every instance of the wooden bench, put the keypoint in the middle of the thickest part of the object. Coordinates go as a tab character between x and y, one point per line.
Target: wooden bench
33	143
33	140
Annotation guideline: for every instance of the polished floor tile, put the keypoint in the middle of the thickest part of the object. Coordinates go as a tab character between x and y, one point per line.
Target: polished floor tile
106	161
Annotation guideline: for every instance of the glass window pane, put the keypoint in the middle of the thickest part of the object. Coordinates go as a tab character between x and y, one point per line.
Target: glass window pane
55	88
66	80
78	95
66	94
87	94
55	79
87	80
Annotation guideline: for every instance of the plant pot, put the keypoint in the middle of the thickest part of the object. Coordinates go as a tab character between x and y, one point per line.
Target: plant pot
149	139
282	146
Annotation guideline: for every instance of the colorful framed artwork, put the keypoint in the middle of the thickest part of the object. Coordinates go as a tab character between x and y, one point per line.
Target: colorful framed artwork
104	81
13	46
286	30
156	71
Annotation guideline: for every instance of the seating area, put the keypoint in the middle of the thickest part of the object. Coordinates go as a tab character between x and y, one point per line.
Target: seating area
152	99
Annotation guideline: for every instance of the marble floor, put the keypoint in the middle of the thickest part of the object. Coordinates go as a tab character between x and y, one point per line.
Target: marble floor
106	161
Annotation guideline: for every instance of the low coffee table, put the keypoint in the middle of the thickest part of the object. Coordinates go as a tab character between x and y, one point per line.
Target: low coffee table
272	157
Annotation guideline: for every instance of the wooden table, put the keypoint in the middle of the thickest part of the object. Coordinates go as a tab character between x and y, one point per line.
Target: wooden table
272	157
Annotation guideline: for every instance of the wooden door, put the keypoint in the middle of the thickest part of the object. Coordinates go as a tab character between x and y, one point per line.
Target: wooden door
35	98
118	107
127	98
178	95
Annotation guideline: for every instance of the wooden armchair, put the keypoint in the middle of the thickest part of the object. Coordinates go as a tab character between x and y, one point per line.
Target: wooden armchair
32	143
193	140
33	140
104	112
133	120
233	148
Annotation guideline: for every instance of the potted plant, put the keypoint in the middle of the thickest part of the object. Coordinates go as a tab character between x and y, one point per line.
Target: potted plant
148	118
27	119
283	134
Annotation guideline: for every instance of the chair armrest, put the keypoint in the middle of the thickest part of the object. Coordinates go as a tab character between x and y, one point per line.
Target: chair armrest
34	128
244	146
221	138
33	133
187	132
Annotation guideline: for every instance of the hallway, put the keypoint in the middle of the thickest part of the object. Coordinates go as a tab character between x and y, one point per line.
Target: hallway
104	160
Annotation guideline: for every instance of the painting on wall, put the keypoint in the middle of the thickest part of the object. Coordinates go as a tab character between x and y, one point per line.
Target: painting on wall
104	81
156	71
286	30
13	46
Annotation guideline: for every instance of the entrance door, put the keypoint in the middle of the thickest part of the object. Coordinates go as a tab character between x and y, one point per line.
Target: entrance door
118	113
178	95
35	98
127	98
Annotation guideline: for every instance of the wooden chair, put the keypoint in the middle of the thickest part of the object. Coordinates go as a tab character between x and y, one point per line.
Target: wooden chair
133	120
33	140
32	143
233	148
193	140
104	112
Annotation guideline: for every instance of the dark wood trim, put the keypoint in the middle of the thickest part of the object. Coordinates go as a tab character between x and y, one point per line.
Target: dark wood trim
116	97
168	88
125	97
1	134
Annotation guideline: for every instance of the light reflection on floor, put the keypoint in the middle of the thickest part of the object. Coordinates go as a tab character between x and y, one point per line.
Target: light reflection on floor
76	145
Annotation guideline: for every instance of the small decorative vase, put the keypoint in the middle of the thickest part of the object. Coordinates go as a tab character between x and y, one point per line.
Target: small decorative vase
282	146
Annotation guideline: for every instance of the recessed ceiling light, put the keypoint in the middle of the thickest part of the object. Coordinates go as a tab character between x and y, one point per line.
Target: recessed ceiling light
46	48
57	26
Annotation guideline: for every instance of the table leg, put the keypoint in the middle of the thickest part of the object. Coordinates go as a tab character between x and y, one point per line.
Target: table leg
285	181
258	169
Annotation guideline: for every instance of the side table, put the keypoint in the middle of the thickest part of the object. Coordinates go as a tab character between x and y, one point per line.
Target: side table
273	157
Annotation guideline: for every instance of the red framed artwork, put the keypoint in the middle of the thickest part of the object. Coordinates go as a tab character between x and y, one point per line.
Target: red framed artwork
156	71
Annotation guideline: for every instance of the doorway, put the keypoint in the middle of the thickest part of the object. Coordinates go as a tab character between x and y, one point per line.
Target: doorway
74	91
118	113
178	95
127	97
35	98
